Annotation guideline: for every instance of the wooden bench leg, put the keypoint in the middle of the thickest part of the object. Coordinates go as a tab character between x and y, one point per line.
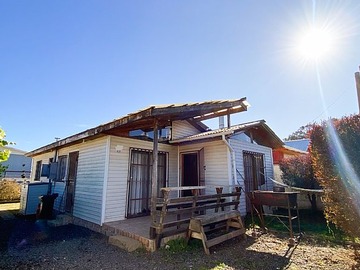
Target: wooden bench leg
201	236
204	241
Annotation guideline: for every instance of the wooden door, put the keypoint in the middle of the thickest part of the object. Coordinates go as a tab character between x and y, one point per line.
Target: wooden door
190	172
71	180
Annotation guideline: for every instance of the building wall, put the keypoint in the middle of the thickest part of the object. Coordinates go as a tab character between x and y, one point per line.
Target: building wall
16	164
181	129
216	162
116	191
239	146
44	158
89	181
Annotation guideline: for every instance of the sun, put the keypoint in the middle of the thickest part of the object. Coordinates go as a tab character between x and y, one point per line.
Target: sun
315	43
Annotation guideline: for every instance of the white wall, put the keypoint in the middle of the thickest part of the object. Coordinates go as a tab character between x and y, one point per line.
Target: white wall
240	146
116	192
216	160
89	180
181	129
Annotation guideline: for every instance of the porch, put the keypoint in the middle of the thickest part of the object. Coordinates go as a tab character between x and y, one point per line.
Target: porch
139	229
171	217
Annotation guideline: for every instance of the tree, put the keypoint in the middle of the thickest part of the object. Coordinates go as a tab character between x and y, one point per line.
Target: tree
335	148
297	171
302	133
4	153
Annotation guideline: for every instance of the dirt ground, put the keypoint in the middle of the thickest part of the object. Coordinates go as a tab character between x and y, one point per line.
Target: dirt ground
30	244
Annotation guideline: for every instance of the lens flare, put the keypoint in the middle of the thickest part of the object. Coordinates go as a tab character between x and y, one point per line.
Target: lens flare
315	43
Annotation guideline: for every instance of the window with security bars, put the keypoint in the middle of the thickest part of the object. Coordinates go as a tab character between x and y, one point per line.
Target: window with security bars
254	170
139	182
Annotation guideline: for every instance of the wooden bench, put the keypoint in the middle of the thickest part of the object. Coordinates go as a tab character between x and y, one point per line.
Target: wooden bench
173	215
197	227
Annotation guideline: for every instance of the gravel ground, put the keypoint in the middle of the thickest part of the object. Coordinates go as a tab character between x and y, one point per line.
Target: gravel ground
29	244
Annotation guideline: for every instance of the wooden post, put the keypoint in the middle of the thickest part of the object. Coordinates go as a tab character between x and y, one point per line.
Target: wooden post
218	200
195	193
154	176
357	81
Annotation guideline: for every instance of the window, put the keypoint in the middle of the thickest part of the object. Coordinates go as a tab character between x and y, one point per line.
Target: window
37	170
139	182
254	170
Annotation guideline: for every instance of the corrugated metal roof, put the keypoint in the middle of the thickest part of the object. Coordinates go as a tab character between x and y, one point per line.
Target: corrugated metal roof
261	133
302	144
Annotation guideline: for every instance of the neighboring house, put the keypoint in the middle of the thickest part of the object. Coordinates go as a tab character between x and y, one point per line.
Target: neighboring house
294	148
104	174
18	165
291	148
301	144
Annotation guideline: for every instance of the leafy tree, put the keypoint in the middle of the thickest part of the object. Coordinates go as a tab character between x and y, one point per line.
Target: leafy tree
335	148
297	171
4	153
302	133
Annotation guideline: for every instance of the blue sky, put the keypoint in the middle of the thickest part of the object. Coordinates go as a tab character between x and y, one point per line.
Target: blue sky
67	66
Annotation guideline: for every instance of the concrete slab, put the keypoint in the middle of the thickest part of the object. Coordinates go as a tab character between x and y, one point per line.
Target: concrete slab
124	242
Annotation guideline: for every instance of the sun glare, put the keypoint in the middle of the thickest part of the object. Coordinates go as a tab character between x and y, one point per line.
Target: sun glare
315	44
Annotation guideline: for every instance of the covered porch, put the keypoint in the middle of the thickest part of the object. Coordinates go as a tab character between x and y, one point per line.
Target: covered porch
172	216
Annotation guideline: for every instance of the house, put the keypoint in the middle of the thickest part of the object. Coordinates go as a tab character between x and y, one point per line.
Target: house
105	173
289	149
18	165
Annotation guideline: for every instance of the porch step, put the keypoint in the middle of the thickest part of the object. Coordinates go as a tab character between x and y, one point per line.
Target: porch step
60	220
123	242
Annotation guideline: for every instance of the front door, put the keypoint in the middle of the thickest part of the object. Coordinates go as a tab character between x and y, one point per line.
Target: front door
70	182
193	170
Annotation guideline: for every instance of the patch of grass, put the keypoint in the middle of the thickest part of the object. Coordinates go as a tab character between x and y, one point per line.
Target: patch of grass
181	244
221	266
312	223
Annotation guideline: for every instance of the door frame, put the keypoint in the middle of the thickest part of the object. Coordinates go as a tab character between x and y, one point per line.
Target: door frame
69	202
200	169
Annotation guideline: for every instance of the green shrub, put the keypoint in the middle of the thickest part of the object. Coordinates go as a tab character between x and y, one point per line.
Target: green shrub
9	190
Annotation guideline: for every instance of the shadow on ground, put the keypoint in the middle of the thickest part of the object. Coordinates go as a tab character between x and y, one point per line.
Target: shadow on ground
23	232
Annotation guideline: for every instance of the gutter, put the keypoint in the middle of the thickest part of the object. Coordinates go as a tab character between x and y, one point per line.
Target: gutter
232	151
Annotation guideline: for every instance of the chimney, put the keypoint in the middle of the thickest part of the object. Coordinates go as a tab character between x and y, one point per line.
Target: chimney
357	81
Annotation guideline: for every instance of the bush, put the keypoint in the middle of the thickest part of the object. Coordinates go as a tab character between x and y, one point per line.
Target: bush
335	148
297	171
9	190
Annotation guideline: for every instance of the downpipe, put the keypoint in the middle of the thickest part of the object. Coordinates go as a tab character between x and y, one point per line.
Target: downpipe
232	157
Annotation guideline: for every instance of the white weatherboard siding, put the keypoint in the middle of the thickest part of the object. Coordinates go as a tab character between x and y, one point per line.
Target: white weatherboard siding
181	129
216	160
116	194
59	186
239	147
89	181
